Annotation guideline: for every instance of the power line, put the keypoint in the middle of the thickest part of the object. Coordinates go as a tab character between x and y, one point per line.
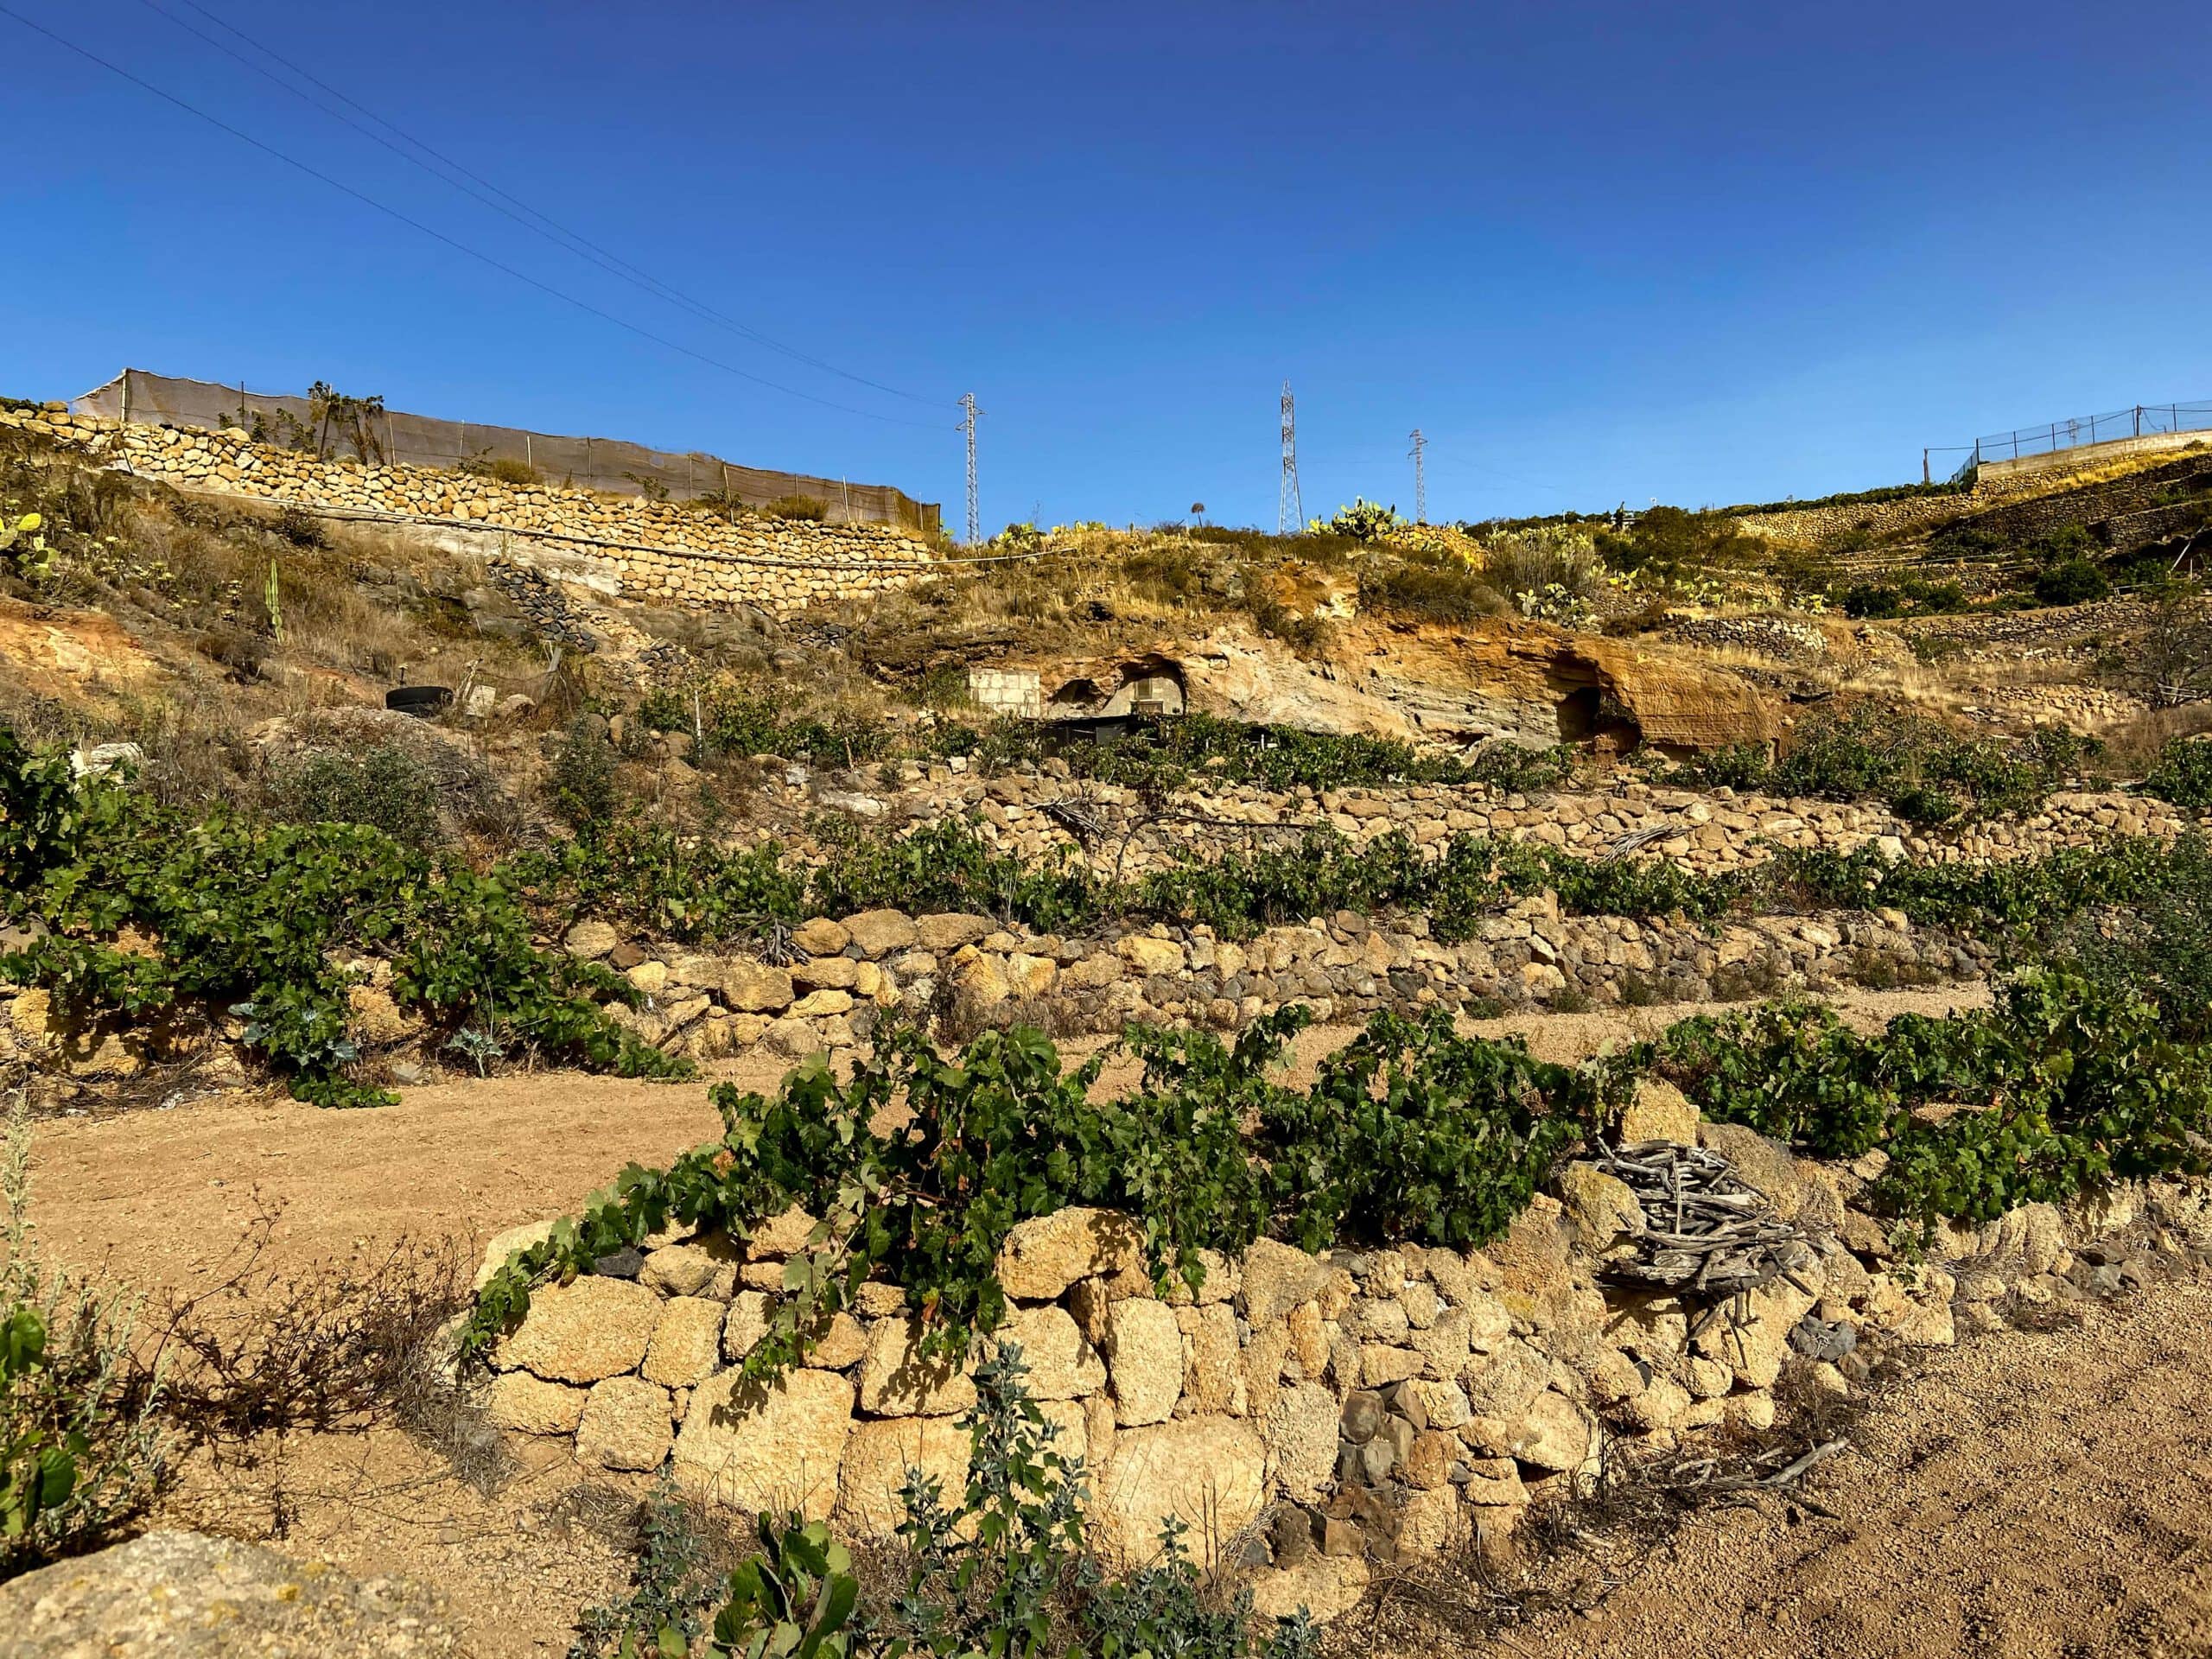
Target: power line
552	229
968	425
454	243
1290	506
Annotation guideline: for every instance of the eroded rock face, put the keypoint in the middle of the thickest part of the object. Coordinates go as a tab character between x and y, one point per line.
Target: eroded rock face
184	1595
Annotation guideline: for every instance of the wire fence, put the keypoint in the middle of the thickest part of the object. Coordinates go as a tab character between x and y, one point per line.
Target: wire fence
2079	431
609	464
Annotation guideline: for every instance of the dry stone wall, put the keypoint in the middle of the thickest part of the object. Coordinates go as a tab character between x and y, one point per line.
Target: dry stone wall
1312	1415
657	553
980	972
1704	832
847	973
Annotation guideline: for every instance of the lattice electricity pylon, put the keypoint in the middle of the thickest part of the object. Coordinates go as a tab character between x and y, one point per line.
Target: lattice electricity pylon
968	425
1290	510
1421	480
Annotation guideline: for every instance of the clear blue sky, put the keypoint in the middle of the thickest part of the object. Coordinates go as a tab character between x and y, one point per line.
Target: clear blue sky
1701	252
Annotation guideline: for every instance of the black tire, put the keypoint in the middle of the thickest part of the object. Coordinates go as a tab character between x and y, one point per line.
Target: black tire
424	701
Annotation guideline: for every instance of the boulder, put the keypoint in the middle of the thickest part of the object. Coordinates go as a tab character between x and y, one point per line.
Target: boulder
185	1595
529	1405
1504	1382
1211	1471
820	937
1144	1358
877	1458
1301	1436
1326	1586
1763	1165
746	1324
582	1332
1553	1433
1659	1111
590	940
687	1343
1276	1278
1603	1210
1062	1365
1754	1347
1213	1374
688	1268
626	1425
897	1381
503	1244
755	987
1431	1521
760	1447
949	930
1150	956
1042	1257
881	933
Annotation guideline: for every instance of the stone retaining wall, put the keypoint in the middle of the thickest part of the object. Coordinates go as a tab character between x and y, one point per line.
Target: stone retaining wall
1305	1415
976	972
675	555
1704	832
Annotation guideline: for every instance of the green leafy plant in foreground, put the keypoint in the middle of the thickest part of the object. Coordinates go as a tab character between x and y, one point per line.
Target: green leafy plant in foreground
79	1453
1002	1570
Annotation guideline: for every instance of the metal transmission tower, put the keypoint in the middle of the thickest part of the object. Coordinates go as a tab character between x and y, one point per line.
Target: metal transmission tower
1290	510
968	425
1421	480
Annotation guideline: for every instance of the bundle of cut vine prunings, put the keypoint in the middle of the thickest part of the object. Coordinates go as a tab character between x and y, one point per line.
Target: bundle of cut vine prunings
1707	1234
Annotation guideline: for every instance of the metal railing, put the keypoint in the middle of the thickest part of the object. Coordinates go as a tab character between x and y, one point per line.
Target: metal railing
2079	431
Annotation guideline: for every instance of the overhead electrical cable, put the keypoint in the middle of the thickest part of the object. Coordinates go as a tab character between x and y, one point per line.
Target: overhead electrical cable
475	186
454	243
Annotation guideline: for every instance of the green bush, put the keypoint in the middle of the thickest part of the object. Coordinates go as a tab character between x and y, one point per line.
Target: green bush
386	788
2182	775
582	785
256	919
2072	581
2066	1084
1411	1131
1926	772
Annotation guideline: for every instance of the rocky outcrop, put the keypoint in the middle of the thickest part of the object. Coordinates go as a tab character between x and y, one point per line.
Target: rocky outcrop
185	1595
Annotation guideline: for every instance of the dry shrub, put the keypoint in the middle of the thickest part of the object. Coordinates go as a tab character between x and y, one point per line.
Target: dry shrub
342	1344
81	1449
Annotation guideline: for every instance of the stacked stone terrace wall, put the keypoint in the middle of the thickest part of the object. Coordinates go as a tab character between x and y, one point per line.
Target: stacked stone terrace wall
652	552
1308	1417
851	971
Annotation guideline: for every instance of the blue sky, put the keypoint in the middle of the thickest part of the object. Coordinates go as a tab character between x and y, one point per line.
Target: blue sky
1705	253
